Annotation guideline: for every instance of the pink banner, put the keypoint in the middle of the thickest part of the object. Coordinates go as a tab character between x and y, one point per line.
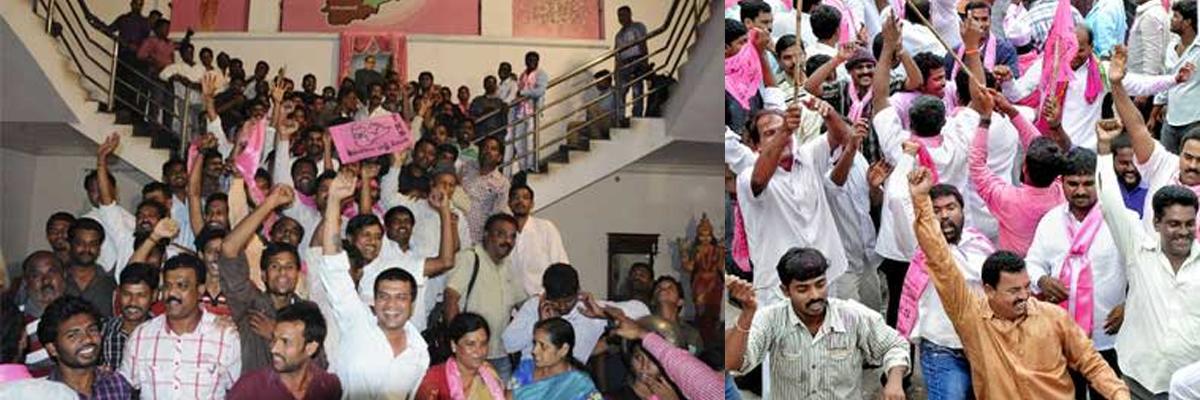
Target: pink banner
448	17
559	19
210	15
370	138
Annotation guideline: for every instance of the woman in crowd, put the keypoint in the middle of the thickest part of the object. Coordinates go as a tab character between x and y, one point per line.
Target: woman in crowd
553	373
467	374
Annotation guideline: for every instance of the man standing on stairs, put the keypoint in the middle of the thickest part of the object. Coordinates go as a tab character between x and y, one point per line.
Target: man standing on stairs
531	88
184	76
538	242
131	29
633	61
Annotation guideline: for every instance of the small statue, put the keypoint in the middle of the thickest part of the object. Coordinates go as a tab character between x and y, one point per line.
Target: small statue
704	259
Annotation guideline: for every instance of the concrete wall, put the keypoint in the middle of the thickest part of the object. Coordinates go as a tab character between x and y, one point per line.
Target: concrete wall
665	201
56	183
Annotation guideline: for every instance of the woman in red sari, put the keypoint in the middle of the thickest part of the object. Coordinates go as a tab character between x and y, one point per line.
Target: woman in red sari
467	374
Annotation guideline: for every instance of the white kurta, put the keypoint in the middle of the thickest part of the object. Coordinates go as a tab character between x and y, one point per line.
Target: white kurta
538	245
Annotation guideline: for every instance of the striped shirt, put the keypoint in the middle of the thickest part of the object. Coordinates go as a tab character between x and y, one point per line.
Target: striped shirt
106	386
829	365
36	357
202	364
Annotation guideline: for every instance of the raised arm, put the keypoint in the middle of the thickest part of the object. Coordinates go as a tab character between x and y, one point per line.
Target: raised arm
694	378
368	171
435	266
814	83
746	344
957	298
209	91
235	242
105	185
881	81
165	230
761	40
1124	224
841	169
770	153
1131	118
195	202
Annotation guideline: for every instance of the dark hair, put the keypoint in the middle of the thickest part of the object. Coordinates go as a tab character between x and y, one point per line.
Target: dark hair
185	260
140	273
208	234
962	84
1044	161
86	224
642	265
1172	195
425	141
60	216
752	123
397	211
1122	142
560	281
674	282
801	264
750	9
274	248
159	208
90	179
734	29
215	197
1187	10
815	62
1189	135
928	62
396	274
12	329
424	74
785	42
494	138
560	333
307	313
974	5
927	116
58	312
1080	161
325	176
825	21
27	264
448	148
912	7
1001	261
173	161
498	218
156	186
360	222
519	186
945	190
465	323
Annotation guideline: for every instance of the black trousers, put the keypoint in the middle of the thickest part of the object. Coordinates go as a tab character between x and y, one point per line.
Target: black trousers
894	271
1082	389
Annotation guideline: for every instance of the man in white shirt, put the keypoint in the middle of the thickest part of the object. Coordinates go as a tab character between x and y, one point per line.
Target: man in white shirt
185	74
1162	314
538	242
1073	256
1185	383
108	249
1079	112
850	197
779	214
563	299
174	175
186	352
382	354
531	87
1148	38
118	226
1181	56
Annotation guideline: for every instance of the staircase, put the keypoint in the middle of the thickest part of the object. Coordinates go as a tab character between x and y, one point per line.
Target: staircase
76	60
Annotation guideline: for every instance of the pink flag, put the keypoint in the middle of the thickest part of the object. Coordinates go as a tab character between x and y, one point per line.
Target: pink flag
370	138
743	72
1059	49
247	161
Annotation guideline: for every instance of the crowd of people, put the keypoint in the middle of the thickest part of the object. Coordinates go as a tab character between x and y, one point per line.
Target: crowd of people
261	265
1013	186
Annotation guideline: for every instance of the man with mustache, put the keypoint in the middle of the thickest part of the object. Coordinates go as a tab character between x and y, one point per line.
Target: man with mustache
816	345
70	329
381	354
84	278
1017	348
1074	262
254	309
1158	335
481	283
195	355
1133	188
44	282
297	339
174	175
56	235
538	242
138	290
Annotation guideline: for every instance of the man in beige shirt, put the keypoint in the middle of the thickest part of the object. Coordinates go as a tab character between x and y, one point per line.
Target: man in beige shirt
1018	347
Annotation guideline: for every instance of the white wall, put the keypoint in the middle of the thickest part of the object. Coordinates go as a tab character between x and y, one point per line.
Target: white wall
56	183
668	203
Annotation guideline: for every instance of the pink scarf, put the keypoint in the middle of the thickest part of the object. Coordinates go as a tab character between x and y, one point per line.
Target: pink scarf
1091	92
528	80
989	56
1077	257
847	31
917	279
857	104
743	72
741	248
13	372
485	372
924	159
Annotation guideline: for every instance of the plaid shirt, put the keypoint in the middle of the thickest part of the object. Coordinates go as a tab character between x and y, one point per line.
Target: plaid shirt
108	385
113	342
202	364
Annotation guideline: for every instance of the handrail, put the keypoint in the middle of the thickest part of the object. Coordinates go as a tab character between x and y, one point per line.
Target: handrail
74	34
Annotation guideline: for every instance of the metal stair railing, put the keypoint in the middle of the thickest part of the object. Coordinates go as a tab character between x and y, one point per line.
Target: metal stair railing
679	31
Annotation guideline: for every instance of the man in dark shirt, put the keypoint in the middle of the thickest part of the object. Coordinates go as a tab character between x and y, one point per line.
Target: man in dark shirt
70	329
293	374
489	103
84	277
367	76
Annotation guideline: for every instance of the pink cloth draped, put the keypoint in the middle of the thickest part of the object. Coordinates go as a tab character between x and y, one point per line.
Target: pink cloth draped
743	72
989	56
1077	257
924	159
1024	61
527	80
13	372
858	104
1059	48
307	200
848	26
741	248
485	372
354	43
247	161
917	279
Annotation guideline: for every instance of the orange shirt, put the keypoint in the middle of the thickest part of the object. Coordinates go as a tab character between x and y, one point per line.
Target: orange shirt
1022	359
